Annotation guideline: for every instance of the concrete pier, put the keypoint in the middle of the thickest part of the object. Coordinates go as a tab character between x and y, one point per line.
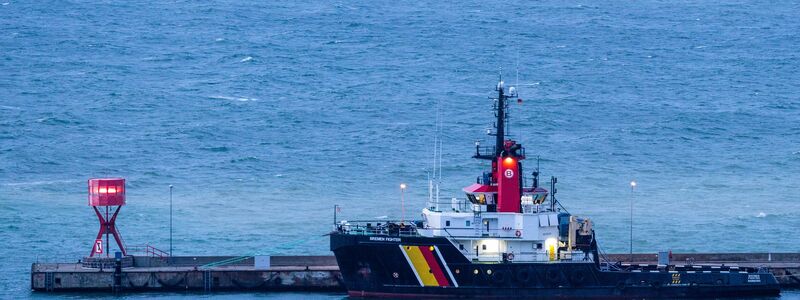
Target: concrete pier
305	273
201	273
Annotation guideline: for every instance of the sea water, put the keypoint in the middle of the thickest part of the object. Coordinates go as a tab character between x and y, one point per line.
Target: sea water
265	115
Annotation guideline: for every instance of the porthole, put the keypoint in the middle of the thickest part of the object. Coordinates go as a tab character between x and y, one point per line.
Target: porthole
489	272
395	275
475	272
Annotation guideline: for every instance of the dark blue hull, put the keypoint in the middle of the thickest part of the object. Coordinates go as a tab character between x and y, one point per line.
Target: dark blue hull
375	266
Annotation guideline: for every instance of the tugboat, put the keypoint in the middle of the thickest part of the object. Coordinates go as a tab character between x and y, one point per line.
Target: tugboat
510	239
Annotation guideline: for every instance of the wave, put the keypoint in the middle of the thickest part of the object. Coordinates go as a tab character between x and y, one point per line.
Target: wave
53	121
245	159
241	99
40	182
246	59
216	149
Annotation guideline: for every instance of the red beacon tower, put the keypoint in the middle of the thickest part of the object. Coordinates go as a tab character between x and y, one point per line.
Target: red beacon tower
107	192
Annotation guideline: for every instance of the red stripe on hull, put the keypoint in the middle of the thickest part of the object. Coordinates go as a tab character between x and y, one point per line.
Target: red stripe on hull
434	264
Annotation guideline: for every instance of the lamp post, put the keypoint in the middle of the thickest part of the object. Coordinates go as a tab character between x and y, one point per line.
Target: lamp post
402	203
633	187
170	221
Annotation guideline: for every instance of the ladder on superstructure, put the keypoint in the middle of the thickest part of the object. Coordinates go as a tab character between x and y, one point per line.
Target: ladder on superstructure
476	222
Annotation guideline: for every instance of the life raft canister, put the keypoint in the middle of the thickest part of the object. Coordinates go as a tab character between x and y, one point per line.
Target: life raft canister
518	233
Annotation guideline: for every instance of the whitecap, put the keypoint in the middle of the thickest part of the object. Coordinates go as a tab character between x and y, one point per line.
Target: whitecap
10	107
246	59
219	39
6	3
236	98
381	217
41	182
761	215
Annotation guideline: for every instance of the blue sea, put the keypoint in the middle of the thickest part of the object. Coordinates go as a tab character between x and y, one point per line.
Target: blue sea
263	115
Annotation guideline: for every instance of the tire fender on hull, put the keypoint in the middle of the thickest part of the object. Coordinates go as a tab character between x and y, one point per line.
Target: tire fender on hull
500	277
525	276
577	277
553	276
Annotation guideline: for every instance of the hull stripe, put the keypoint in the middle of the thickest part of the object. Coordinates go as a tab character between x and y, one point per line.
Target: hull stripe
410	264
420	265
444	264
427	252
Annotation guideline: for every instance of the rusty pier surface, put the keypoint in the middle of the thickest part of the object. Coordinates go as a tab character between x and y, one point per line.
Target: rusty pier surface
785	266
307	273
199	273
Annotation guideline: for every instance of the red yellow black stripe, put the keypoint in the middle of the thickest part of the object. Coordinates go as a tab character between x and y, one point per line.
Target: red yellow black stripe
427	265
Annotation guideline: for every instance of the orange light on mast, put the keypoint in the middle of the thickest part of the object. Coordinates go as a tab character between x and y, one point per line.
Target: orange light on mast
508	161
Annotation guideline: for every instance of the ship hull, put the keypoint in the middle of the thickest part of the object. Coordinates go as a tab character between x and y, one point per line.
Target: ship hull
431	267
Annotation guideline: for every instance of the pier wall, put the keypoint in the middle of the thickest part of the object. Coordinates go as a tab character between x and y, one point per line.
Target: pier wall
307	273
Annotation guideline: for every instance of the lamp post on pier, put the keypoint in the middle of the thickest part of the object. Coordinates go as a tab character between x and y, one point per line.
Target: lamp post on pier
402	203
633	188
170	221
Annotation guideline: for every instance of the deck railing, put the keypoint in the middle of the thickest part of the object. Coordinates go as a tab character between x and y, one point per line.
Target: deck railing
378	228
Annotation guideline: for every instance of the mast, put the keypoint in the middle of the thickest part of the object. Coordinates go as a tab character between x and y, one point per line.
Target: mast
501	120
500	124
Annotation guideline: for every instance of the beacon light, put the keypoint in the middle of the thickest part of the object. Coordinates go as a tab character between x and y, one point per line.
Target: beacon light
633	183
403	186
508	161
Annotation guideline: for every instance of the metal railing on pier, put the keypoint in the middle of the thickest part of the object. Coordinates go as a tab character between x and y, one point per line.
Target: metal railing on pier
147	250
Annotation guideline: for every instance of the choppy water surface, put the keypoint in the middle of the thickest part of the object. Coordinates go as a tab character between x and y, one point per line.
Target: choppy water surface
265	115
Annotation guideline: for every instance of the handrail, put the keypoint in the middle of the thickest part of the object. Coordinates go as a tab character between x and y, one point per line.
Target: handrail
391	229
463	251
148	250
225	262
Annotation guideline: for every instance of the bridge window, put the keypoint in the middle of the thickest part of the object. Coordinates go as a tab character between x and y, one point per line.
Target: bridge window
467	223
447	223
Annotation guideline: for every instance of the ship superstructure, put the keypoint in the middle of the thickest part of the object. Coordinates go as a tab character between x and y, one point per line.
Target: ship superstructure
503	217
510	237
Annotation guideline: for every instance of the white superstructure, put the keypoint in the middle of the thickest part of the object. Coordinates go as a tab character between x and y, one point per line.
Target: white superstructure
532	235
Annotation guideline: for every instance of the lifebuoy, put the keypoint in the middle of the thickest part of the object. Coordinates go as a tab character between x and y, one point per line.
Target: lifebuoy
518	233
